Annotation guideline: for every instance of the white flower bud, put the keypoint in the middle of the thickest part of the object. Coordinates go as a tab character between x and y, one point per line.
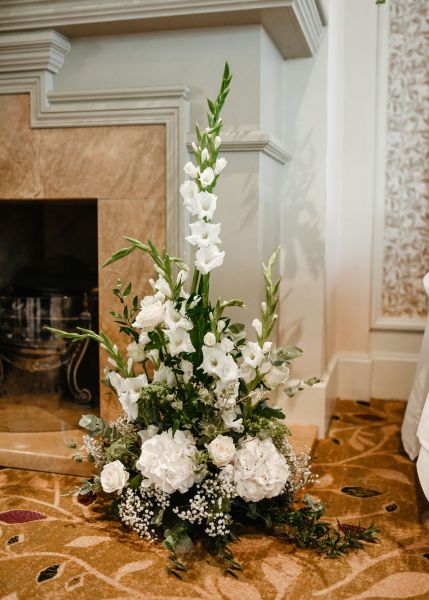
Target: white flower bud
191	170
195	147
257	326
209	339
217	142
204	155
264	307
220	165
221	326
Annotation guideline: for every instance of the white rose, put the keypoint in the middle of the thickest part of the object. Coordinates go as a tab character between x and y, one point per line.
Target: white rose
204	205
167	461
204	234
151	313
221	450
260	470
210	339
207	177
207	259
220	165
136	352
114	477
191	170
276	376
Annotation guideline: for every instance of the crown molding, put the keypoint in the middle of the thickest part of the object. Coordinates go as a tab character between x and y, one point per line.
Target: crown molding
33	51
295	26
254	140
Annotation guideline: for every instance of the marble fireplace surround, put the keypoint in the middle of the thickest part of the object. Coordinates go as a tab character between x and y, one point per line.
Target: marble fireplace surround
122	149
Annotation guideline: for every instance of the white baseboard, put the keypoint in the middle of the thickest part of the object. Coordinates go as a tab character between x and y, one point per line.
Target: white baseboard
352	376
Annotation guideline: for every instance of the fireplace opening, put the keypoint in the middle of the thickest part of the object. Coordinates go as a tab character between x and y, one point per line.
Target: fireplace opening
48	277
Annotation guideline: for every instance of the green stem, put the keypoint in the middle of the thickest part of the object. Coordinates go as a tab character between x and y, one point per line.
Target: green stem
195	281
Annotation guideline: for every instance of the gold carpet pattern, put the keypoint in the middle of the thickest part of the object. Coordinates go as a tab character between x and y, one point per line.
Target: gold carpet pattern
53	547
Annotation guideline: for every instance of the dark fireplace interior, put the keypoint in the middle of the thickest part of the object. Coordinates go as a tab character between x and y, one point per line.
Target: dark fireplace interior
48	277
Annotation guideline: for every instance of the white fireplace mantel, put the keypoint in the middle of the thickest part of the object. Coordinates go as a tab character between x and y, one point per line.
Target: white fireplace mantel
295	26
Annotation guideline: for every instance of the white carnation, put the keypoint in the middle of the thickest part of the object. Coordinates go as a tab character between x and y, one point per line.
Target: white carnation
221	450
114	477
167	461
128	391
151	313
260	470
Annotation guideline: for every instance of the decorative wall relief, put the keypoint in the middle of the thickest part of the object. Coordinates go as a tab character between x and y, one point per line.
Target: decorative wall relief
406	221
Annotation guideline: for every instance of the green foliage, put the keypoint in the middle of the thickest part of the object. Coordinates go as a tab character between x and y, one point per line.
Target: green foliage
303	525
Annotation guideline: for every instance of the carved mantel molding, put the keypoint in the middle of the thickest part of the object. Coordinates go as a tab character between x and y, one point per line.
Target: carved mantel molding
295	26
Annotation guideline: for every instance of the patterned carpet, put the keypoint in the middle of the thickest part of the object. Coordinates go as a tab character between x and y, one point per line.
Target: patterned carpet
53	547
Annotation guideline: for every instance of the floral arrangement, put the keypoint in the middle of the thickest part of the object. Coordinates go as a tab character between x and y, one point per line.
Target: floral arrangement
200	454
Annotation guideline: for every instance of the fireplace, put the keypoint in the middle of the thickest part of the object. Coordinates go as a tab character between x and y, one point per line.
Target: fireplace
67	196
49	277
